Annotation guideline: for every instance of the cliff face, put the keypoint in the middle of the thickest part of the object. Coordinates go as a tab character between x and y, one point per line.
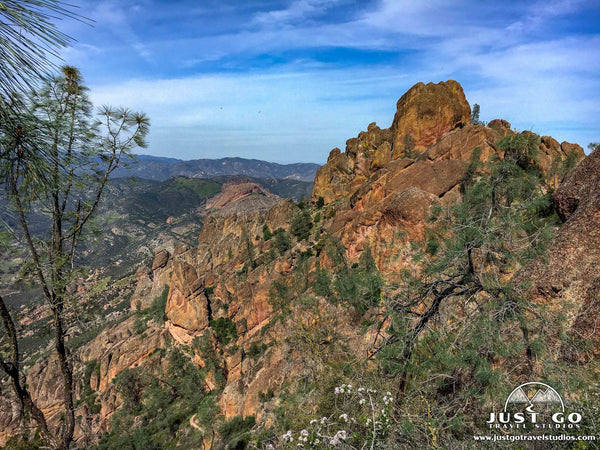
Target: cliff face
377	195
567	280
426	113
374	191
432	124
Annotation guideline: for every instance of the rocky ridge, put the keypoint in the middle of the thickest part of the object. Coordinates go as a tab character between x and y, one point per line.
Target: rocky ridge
377	195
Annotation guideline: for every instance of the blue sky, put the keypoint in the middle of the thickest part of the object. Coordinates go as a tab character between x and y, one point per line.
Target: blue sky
287	81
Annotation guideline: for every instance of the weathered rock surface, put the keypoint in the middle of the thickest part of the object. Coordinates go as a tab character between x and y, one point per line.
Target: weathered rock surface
111	352
152	282
236	190
436	117
377	198
426	113
567	278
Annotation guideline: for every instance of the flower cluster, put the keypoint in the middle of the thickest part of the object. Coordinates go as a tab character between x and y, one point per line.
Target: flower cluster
343	389
364	420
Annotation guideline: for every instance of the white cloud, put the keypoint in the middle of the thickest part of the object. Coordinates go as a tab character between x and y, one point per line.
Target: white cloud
509	64
298	11
116	16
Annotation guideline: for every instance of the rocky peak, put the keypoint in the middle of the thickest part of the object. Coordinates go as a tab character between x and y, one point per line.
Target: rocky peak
432	124
426	113
235	190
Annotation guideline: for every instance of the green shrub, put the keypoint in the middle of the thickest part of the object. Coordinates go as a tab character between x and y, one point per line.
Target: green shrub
156	311
139	326
256	350
266	396
225	329
266	232
282	240
235	432
301	225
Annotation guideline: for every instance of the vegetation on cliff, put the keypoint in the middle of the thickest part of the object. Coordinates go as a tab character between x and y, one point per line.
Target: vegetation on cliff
394	310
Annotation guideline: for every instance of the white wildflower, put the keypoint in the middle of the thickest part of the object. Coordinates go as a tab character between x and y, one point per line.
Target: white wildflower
344	417
342	434
287	437
362	401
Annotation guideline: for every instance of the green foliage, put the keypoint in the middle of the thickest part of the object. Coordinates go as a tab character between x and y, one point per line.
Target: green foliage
301	225
472	169
305	255
267	232
561	168
322	285
520	149
280	296
358	286
156	311
475	115
225	330
235	432
158	407
25	442
203	345
57	157
282	240
88	395
500	225
256	350
249	250
139	326
29	42
266	396
320	202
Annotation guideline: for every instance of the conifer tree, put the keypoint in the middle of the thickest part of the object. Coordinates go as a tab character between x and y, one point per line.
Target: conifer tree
58	160
499	225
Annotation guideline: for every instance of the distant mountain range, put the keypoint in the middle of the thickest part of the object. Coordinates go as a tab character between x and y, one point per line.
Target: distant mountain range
161	169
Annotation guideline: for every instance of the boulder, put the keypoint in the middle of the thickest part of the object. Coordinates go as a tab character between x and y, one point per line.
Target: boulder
426	113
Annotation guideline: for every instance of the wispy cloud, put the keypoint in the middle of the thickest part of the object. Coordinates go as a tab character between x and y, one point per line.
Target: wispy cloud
116	16
324	69
297	12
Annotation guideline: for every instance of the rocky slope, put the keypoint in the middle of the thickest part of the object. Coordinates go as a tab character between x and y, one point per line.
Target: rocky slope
376	195
566	280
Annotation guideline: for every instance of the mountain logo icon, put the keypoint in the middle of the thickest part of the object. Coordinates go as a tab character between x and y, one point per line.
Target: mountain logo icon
535	393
